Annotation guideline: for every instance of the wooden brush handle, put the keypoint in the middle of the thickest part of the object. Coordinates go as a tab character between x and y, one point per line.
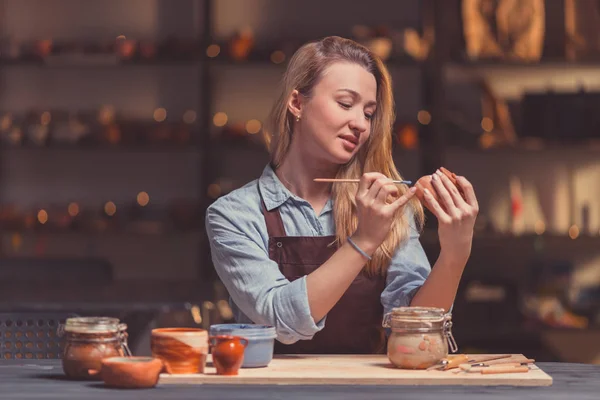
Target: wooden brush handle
504	370
455	361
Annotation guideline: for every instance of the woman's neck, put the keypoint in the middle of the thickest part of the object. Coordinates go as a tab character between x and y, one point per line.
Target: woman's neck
297	172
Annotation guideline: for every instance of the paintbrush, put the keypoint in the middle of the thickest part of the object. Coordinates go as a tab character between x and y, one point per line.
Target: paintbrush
356	181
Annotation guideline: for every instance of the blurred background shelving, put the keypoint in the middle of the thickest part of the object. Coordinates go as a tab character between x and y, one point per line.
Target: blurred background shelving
121	121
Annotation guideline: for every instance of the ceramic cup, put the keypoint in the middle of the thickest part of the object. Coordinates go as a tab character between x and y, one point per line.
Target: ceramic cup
228	353
183	350
130	372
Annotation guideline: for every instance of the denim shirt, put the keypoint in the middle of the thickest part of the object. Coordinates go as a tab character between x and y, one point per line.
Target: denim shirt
259	293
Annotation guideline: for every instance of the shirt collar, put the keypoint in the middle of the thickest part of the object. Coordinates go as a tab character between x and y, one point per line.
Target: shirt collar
274	193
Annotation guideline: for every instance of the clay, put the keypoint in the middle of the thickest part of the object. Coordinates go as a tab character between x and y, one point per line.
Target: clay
183	350
425	183
228	353
130	372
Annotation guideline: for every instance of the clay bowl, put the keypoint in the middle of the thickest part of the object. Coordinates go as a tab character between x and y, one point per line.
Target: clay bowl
182	350
129	372
425	183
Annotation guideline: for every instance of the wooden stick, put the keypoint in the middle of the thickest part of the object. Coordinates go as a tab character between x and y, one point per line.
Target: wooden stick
504	370
481	358
483	366
510	360
355	181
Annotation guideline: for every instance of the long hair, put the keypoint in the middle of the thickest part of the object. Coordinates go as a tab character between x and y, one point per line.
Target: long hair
304	70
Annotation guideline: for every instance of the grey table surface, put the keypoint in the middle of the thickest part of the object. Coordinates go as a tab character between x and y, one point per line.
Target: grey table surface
44	379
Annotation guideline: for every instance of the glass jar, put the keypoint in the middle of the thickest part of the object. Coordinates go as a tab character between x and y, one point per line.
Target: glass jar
88	340
419	336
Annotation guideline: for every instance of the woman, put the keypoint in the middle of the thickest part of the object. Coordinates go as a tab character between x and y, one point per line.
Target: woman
322	262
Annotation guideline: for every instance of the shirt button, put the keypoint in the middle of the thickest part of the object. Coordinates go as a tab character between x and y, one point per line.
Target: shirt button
279	244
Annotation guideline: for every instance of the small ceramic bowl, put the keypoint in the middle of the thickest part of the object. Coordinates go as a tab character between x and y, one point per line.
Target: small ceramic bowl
261	341
130	372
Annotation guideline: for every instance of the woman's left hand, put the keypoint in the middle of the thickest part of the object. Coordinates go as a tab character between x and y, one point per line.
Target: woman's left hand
456	218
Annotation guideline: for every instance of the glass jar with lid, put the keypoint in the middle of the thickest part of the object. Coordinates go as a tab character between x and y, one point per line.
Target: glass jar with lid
87	340
420	336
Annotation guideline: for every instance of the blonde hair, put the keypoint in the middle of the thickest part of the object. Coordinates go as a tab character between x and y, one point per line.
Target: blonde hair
303	72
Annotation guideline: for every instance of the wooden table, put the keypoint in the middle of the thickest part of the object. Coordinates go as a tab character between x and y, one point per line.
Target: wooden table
44	379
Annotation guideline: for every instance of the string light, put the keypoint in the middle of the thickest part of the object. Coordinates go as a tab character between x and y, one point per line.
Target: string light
487	124
110	208
160	114
143	199
213	50
253	126
220	119
73	209
42	216
574	232
424	117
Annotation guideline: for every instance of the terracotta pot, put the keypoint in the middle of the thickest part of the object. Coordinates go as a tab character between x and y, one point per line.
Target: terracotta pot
183	350
129	372
425	183
228	353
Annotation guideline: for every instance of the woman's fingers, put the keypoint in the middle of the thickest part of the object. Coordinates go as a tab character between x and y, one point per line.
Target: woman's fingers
468	191
444	195
366	181
376	187
389	189
452	190
401	201
435	206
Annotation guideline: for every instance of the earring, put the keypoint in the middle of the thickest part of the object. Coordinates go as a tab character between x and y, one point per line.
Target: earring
298	118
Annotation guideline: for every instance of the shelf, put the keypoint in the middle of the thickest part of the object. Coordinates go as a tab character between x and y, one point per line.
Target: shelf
265	62
122	293
531	147
510	80
96	64
431	235
101	234
103	148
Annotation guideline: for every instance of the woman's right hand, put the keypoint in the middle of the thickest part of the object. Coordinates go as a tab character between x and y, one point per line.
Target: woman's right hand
375	210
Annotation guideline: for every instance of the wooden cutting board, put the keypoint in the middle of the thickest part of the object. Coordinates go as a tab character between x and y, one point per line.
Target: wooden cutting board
353	370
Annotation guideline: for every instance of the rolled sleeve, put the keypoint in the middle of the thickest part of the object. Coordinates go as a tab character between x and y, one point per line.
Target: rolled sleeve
408	271
255	283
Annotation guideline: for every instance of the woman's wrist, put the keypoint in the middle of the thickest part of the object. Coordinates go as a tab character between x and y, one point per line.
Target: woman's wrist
453	259
365	246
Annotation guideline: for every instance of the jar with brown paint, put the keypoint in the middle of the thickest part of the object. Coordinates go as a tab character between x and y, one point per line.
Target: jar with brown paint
88	340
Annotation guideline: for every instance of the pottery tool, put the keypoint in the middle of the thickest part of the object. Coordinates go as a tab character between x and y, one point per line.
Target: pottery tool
507	365
454	361
356	181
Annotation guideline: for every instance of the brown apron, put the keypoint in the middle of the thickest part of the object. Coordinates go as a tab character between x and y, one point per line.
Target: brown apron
353	325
